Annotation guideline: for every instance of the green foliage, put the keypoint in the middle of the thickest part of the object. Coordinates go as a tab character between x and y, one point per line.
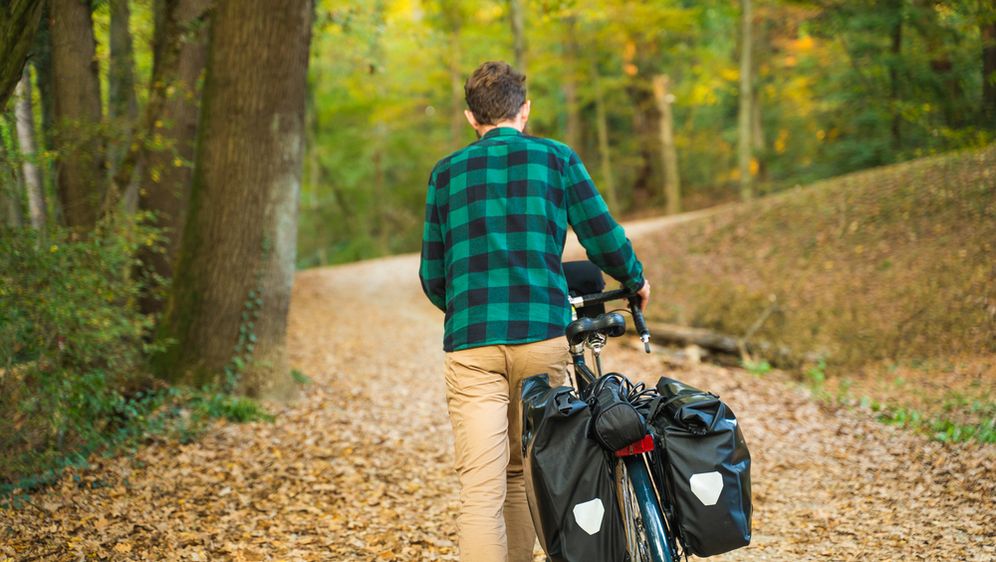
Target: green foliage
757	368
71	338
232	408
834	98
299	377
942	428
245	345
171	412
816	375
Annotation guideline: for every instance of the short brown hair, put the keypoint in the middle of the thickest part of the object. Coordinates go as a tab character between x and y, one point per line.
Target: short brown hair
495	92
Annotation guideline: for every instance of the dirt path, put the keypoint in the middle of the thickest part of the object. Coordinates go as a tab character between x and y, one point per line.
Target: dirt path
360	467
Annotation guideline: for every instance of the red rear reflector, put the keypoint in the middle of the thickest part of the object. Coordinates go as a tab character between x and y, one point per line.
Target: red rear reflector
644	445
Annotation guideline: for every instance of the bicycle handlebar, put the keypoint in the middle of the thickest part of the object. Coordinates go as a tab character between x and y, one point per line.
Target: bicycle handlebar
634	307
598	298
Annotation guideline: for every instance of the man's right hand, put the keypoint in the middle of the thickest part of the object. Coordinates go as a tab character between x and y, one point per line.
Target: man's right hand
644	294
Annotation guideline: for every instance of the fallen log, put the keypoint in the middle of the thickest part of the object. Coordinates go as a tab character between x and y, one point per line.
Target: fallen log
685	335
715	342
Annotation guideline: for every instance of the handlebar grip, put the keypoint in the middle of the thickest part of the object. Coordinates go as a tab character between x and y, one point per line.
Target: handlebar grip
639	323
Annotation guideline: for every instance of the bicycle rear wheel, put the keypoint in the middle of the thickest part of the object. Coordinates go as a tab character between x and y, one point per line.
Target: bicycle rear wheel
647	538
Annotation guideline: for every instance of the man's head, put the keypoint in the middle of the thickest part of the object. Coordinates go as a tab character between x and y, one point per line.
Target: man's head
496	93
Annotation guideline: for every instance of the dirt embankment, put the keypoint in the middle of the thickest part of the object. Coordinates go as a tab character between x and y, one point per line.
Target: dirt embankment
888	274
889	264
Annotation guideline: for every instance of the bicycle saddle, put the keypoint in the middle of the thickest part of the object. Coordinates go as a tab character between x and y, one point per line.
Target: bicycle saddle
611	324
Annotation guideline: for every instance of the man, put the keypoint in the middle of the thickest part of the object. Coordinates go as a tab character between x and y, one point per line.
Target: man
496	220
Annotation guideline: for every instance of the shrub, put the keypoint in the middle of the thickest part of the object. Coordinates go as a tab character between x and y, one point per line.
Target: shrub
71	340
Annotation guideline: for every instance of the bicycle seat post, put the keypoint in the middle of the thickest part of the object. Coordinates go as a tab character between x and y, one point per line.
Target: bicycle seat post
597	343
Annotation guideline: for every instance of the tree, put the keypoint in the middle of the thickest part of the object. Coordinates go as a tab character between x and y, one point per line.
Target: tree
122	107
31	171
10	200
517	17
179	56
81	176
41	60
895	60
746	110
458	128
227	311
121	75
608	183
989	70
572	130
669	154
18	24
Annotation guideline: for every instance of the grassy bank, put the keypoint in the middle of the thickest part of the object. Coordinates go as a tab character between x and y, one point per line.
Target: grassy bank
885	273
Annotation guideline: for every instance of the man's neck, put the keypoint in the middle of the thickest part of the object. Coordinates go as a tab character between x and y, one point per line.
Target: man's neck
512	123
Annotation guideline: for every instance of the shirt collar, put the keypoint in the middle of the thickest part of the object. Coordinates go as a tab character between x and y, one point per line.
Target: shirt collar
501	132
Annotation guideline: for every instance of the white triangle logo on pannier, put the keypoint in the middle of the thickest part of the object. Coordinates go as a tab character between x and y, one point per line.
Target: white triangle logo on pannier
707	486
589	515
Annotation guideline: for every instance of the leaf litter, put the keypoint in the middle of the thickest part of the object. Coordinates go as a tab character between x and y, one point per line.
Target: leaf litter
360	466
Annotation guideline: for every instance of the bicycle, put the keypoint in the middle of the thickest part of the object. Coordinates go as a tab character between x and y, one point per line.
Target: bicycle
649	529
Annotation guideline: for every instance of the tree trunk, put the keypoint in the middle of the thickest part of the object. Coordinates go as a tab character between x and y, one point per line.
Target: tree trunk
722	343
122	105
989	71
81	173
646	129
233	280
10	200
18	25
29	153
382	229
573	132
121	75
41	59
602	126
517	17
669	155
762	40
757	134
458	123
744	153
180	53
896	50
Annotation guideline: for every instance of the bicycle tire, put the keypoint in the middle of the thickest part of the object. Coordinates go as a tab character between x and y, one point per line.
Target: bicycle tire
653	543
635	530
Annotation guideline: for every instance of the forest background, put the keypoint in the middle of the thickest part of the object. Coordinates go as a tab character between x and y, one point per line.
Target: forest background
110	165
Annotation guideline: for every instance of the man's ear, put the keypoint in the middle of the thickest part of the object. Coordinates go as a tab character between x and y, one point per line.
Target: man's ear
470	118
524	111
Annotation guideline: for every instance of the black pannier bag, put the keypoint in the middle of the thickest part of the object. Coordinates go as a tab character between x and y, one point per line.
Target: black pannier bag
569	477
702	463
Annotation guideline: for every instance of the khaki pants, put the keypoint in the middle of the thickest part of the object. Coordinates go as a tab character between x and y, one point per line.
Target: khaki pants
482	394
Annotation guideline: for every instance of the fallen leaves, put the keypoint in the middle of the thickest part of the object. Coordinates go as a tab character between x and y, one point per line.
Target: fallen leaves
360	468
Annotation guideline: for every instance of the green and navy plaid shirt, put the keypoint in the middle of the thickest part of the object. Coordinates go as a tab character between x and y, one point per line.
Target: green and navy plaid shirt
496	219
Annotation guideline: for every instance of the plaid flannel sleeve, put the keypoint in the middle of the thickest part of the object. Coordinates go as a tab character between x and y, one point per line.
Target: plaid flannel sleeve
603	239
431	272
